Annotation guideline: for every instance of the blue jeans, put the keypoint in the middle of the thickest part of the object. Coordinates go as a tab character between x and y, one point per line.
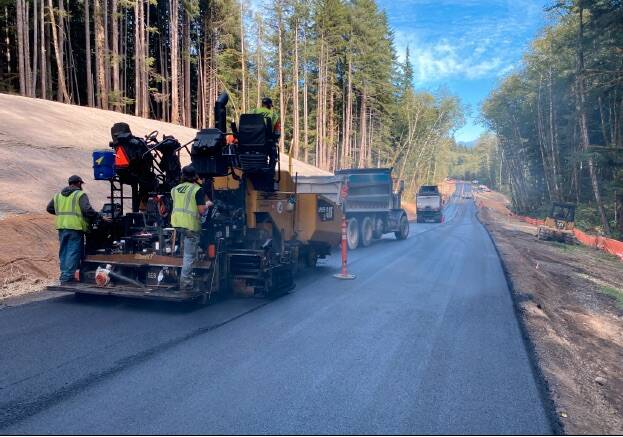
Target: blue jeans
70	252
190	246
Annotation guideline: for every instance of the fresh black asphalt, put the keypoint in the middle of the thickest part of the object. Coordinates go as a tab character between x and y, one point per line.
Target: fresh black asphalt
423	341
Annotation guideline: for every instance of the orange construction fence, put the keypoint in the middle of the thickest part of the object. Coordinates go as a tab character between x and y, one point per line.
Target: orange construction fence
608	245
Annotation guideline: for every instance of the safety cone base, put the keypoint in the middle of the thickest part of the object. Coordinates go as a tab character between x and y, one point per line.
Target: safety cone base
344	276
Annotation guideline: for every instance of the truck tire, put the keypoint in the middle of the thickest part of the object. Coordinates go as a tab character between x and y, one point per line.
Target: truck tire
367	232
378	228
352	233
403	228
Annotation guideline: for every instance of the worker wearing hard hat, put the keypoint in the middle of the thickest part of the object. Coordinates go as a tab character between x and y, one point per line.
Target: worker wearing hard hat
189	204
270	114
73	213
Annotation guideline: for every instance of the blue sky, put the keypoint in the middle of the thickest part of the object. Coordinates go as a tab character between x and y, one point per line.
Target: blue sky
465	46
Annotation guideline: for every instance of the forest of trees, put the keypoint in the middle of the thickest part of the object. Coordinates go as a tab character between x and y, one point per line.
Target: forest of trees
559	120
330	66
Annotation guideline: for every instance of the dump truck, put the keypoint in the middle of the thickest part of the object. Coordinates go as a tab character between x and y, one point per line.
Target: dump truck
257	235
428	204
369	198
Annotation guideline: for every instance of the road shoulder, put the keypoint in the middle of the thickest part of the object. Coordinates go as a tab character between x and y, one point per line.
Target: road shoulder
573	327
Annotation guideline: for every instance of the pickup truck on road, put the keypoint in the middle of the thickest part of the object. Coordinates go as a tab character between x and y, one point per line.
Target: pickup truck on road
428	204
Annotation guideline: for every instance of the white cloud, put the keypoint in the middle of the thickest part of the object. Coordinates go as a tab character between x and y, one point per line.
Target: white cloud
442	60
463	39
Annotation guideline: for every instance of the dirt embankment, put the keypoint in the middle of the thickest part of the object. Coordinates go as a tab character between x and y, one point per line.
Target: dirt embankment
28	253
564	297
42	143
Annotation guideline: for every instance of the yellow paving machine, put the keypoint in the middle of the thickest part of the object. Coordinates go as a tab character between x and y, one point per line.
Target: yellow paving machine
255	237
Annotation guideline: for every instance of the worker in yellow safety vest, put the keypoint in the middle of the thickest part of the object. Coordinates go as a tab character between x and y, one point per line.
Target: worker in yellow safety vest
270	114
189	204
73	213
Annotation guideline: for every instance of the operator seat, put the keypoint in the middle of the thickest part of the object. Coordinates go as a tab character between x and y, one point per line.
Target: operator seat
257	149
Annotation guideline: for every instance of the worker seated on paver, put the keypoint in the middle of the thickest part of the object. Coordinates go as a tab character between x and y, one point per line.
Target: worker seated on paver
190	202
258	135
270	114
73	213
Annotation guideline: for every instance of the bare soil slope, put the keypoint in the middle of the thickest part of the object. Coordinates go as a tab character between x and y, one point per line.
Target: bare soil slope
41	144
563	296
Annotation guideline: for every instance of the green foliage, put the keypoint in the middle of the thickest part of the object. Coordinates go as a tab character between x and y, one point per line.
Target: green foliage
615	293
536	114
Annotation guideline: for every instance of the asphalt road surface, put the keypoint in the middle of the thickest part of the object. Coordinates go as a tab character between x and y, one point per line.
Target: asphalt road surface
424	340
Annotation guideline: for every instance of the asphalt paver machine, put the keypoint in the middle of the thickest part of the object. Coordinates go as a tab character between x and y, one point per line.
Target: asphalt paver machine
253	240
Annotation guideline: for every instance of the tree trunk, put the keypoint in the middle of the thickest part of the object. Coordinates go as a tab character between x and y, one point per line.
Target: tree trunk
295	95
175	100
347	157
305	97
26	16
106	48
100	53
116	85
42	53
331	131
48	60
7	40
282	111
35	55
243	61
541	135
363	127
87	45
186	51
138	57
320	108
61	42
62	87
20	47
258	20
583	121
553	139
145	70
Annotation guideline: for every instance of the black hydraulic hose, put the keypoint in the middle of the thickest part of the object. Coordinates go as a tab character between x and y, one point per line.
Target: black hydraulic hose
125	279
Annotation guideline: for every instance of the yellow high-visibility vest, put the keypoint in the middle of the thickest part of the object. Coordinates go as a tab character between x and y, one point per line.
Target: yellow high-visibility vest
68	213
267	113
185	212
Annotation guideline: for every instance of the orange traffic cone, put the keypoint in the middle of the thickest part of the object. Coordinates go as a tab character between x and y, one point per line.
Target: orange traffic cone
344	273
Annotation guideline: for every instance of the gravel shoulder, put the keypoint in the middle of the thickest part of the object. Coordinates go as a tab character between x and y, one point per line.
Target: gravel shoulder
566	297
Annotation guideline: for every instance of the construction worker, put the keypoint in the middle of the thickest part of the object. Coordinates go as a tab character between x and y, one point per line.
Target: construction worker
189	204
269	113
73	213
